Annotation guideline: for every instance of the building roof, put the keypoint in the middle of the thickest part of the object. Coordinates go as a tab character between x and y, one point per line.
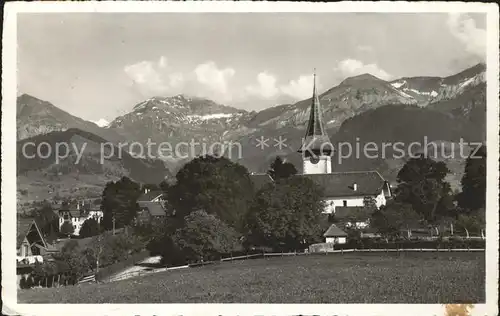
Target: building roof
149	196
74	212
154	208
341	184
316	139
23	227
260	180
334	231
344	212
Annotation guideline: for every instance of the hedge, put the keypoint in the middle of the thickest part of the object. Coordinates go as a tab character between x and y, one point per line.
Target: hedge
413	244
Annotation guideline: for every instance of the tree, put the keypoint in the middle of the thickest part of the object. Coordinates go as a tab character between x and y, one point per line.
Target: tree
472	223
216	185
119	201
390	219
280	169
473	195
204	236
286	215
89	228
421	184
67	229
73	259
47	220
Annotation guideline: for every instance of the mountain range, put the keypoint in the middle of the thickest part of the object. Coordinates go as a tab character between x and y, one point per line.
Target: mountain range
364	107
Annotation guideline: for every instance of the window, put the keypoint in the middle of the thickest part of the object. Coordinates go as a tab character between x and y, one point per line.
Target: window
25	250
345	203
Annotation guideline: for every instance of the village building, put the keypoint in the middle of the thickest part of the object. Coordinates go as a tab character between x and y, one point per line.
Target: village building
150	210
357	217
151	196
335	235
151	205
77	215
341	189
32	247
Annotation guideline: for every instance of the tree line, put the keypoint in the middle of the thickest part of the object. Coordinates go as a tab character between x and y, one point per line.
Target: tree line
213	209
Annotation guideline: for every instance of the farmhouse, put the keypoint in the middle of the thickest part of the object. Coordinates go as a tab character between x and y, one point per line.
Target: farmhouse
151	205
31	244
32	247
341	189
150	210
77	215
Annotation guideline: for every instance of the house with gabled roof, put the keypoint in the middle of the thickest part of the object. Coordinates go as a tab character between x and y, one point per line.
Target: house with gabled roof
151	196
150	210
151	206
31	242
340	189
335	235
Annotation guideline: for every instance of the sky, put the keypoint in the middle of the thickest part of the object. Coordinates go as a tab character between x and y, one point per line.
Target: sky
99	65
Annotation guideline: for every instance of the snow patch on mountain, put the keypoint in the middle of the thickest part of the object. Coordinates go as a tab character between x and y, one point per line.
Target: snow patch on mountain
398	84
101	122
210	116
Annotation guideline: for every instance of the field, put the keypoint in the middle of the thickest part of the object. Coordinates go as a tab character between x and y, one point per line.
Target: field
333	278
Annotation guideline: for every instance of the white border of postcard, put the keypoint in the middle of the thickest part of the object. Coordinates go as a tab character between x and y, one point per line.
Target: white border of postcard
9	291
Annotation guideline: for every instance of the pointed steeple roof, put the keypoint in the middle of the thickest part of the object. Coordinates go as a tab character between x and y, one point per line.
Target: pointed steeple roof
315	134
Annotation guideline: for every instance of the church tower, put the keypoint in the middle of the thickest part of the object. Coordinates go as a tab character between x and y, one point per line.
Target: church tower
316	147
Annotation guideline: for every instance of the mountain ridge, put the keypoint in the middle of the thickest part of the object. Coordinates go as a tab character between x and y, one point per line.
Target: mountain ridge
457	103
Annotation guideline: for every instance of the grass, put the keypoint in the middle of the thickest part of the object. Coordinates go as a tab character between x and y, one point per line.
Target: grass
348	278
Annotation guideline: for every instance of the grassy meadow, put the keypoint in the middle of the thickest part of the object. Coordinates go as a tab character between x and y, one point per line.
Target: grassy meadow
334	278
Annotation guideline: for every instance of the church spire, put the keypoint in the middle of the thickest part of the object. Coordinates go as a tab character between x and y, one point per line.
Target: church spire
315	126
315	134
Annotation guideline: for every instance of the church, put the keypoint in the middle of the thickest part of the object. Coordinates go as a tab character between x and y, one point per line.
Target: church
342	190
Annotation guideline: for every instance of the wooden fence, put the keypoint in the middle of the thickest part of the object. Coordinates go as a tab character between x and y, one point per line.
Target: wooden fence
282	254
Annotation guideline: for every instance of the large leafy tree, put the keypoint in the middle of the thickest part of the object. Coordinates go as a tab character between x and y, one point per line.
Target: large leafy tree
119	201
67	229
280	169
394	217
215	185
47	220
72	259
421	184
473	195
286	214
204	236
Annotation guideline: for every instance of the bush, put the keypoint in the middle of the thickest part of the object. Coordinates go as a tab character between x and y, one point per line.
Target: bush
67	229
205	237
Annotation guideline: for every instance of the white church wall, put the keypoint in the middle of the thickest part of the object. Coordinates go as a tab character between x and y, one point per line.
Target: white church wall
333	202
324	165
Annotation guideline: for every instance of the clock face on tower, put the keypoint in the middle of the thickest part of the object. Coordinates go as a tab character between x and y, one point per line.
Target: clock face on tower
314	159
